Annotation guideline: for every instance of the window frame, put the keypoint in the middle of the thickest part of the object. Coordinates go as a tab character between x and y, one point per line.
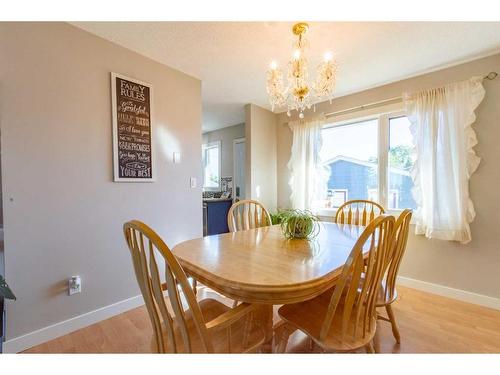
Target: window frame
383	115
204	148
387	124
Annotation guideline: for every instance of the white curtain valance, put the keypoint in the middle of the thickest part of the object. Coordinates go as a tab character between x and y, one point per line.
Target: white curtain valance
441	120
307	174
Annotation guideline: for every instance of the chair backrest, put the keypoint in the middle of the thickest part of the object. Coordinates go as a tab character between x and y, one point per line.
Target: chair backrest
247	214
359	292
358	212
401	230
145	247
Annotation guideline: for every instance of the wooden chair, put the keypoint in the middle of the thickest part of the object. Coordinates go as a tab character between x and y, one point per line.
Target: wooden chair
344	318
247	214
206	326
387	292
358	212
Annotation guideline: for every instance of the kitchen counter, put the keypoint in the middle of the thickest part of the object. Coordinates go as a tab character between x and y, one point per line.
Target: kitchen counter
208	200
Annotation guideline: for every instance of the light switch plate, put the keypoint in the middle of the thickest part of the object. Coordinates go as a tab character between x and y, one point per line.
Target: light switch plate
177	157
192	182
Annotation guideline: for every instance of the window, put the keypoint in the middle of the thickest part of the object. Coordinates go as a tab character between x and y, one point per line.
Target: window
211	165
350	154
393	197
400	164
368	158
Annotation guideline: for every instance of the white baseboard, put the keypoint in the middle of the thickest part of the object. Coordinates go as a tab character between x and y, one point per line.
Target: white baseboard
461	295
18	344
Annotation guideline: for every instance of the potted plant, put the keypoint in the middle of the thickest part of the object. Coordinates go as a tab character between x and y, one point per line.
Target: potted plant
299	224
277	218
5	291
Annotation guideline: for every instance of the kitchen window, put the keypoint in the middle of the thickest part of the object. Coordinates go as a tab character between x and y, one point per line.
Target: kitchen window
211	153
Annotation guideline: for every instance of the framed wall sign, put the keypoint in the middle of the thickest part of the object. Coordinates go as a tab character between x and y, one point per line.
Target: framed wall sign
133	158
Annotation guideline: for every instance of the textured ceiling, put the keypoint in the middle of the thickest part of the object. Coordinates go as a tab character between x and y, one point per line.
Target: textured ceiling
231	57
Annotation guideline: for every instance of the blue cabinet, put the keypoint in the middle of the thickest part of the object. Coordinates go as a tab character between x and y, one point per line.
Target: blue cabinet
215	216
2	323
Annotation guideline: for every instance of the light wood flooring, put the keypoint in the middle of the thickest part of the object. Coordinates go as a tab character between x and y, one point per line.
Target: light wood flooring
428	324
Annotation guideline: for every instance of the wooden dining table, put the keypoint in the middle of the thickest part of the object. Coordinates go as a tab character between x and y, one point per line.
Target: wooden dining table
262	266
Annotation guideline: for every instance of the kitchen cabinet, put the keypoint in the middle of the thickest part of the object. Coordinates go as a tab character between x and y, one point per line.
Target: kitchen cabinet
215	216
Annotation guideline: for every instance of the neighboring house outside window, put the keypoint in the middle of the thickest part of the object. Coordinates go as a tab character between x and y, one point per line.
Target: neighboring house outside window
355	176
336	197
358	178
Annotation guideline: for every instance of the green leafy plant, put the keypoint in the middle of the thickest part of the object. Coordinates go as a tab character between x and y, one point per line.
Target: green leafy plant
277	218
299	224
5	291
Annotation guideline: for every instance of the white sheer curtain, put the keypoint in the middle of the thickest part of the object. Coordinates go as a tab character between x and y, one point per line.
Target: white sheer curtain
308	177
441	122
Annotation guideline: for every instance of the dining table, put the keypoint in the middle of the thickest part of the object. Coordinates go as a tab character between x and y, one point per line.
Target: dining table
264	267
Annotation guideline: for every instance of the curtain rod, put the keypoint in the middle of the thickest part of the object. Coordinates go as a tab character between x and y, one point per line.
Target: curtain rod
395	99
490	76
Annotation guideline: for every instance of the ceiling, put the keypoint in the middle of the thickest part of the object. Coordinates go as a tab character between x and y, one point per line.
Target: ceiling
231	58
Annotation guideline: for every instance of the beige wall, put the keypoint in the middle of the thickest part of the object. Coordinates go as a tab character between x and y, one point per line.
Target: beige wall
226	136
63	215
473	267
261	149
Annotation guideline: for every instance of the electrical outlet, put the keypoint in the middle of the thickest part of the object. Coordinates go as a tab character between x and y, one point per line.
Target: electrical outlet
74	285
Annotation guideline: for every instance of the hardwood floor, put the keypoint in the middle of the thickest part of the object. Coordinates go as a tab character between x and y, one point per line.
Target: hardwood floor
427	323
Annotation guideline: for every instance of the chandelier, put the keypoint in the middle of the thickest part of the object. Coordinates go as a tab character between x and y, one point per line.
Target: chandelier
298	93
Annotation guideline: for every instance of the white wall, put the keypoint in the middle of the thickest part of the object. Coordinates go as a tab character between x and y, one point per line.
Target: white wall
63	215
261	172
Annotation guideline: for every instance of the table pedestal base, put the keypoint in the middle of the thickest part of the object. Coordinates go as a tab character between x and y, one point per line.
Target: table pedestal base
264	318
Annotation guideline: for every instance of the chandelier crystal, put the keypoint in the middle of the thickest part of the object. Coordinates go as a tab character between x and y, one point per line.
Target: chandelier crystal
298	93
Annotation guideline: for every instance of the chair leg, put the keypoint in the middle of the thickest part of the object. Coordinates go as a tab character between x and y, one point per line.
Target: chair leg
311	344
369	348
235	303
195	286
285	333
395	330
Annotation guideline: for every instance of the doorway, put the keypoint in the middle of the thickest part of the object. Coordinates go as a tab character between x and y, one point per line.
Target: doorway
239	156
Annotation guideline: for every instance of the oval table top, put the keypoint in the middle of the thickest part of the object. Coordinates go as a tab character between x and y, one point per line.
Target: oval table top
262	266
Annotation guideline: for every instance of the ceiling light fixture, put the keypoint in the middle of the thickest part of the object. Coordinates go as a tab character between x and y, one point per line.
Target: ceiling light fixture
298	92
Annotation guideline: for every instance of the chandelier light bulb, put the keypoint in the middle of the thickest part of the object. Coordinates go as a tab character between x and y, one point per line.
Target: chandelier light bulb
296	54
328	56
273	65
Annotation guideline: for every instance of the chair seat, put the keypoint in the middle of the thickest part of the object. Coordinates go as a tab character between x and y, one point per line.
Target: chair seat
383	294
309	316
211	309
384	297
